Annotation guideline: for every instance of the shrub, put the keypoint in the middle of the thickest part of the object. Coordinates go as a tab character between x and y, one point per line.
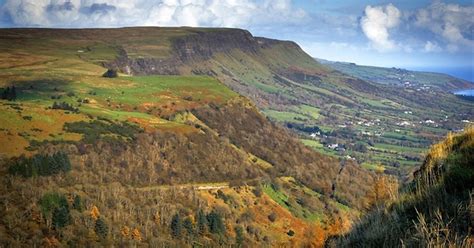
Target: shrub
110	73
64	106
223	196
257	191
94	130
272	217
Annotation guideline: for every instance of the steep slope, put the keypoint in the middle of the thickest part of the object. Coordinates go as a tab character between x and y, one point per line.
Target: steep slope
435	211
339	115
400	77
154	160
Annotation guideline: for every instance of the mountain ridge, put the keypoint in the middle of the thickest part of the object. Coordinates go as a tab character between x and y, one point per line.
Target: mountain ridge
399	76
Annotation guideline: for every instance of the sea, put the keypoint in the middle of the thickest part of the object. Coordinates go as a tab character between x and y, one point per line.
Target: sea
465	92
466	73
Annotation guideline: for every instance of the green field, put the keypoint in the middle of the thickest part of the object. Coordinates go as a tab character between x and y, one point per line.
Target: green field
285	116
146	100
312	143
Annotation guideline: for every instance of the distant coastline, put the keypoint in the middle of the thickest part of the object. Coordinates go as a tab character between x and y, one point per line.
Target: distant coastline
469	92
466	73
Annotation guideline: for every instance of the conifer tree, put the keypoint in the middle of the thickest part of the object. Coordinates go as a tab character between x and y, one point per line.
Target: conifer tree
239	236
189	226
216	225
77	203
101	228
13	94
176	226
61	217
6	93
201	222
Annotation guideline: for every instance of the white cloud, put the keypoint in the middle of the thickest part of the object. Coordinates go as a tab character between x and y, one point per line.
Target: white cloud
432	47
376	24
114	13
453	23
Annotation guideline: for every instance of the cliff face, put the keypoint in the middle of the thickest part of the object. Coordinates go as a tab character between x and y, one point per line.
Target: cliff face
203	45
193	48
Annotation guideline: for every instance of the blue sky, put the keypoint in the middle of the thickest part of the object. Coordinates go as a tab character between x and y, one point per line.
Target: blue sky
403	33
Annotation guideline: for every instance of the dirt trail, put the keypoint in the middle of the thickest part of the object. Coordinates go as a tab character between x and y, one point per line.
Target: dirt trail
197	186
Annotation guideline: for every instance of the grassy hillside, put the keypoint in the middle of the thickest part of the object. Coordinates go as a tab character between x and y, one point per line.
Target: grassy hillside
375	124
153	160
434	211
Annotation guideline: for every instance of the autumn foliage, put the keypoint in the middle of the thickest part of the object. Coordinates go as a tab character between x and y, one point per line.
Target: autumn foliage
95	214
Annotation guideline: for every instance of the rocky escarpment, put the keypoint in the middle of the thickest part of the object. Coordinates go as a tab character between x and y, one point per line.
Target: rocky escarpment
145	66
203	45
193	48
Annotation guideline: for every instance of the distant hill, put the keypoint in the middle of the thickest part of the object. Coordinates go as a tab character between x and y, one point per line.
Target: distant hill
400	77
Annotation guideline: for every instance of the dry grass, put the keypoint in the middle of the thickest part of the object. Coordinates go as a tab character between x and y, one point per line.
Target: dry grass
435	211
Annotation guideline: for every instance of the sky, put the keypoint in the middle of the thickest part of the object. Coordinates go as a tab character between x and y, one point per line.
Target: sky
403	33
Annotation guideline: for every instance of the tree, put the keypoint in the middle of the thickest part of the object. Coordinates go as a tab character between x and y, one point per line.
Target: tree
176	226
95	214
61	217
101	228
189	226
63	160
77	203
13	94
360	147
136	235
201	222
9	94
6	93
40	164
239	236
125	231
51	201
216	225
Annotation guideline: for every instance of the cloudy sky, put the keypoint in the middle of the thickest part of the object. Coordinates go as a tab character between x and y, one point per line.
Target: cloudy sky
403	33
